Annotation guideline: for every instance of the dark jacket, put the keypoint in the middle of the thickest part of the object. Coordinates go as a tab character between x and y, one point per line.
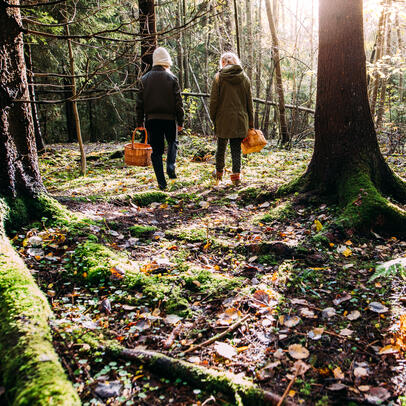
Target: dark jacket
159	97
231	108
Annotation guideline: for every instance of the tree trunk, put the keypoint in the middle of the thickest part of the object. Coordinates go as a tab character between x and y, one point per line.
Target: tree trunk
384	82
285	140
250	41
259	63
147	32
37	127
237	28
378	56
347	162
25	337
75	106
18	153
179	48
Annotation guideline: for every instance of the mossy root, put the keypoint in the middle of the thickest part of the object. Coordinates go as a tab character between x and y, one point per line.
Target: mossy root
30	369
242	390
365	208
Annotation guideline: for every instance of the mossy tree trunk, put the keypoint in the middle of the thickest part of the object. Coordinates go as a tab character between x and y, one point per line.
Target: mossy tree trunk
347	162
30	370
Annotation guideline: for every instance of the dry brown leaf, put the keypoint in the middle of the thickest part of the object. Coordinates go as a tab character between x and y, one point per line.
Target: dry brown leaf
297	351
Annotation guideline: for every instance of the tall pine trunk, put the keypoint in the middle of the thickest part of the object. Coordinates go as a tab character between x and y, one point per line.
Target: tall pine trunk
284	138
347	162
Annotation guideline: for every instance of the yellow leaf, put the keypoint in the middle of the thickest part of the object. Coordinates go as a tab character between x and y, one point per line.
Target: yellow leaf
241	349
348	242
347	252
291	393
318	225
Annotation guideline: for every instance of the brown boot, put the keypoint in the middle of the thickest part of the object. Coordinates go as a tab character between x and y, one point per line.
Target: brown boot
218	176
235	178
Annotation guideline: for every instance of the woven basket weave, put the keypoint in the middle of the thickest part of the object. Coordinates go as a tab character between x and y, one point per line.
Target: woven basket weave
138	153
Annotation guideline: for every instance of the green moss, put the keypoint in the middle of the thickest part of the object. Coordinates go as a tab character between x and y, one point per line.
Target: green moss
188	234
255	195
296	185
146	198
142	231
30	368
365	207
281	212
93	261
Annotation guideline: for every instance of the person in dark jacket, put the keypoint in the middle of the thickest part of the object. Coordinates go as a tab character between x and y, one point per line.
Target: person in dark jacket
231	110
159	105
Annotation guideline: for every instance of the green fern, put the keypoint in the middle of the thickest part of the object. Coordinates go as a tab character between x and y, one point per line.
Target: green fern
390	268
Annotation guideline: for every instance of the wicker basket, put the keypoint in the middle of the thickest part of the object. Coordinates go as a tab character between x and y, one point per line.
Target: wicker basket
137	153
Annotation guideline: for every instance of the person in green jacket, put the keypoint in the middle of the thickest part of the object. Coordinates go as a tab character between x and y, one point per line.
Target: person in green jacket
231	110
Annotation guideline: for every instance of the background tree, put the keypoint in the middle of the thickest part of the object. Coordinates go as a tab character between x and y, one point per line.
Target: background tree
347	163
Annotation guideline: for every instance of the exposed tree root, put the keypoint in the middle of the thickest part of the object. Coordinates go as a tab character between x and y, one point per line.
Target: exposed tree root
360	193
233	386
31	372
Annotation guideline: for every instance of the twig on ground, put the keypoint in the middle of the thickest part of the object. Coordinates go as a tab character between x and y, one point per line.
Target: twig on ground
218	336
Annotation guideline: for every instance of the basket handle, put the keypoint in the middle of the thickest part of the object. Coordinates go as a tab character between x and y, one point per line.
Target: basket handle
133	136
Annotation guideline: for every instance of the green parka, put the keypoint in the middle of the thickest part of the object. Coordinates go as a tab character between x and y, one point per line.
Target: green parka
231	108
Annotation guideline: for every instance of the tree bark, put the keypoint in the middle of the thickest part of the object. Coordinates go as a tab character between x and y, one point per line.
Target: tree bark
30	369
37	127
378	55
75	106
347	163
18	153
147	32
285	140
237	28
384	82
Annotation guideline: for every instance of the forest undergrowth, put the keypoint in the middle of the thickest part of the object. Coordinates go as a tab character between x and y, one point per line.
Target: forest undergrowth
308	312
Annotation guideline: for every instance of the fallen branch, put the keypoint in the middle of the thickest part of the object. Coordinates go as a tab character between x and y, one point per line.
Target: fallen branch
241	389
218	336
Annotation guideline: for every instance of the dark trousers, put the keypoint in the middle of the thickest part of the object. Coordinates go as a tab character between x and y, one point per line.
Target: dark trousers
158	130
235	146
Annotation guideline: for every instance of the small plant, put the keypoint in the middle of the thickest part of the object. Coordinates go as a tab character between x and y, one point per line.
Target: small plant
390	268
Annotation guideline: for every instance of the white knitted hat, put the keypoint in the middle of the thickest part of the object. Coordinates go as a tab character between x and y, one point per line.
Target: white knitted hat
161	57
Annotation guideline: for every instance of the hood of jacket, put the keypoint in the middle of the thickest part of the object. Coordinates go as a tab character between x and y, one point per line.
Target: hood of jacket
232	74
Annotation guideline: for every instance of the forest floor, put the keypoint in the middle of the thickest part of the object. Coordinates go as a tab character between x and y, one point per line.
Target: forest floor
214	256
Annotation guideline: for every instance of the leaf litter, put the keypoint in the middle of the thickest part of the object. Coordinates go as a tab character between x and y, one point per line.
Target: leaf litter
320	307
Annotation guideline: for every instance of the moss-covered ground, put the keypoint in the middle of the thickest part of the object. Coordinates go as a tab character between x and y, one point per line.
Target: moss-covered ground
166	271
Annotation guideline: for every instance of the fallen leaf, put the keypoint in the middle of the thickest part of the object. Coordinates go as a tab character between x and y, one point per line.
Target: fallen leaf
346	332
338	373
354	315
389	349
316	333
225	350
377	307
172	318
305	312
377	395
336	387
300	367
328	312
297	351
360	372
290	321
343	298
